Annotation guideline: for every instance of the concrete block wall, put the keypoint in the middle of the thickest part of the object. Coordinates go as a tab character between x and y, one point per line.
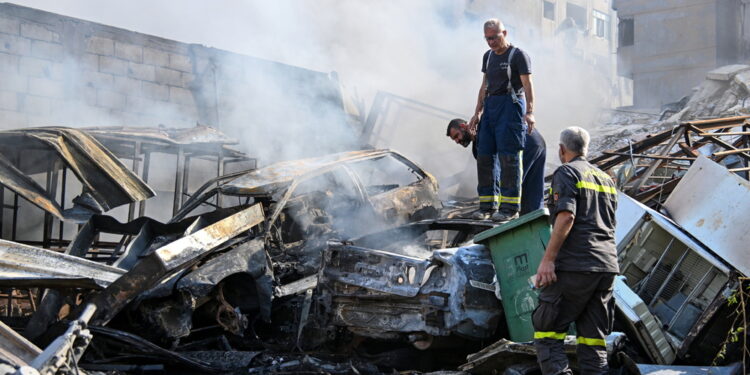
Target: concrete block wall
58	70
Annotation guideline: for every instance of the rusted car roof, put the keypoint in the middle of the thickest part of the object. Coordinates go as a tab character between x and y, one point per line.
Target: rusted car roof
265	180
182	136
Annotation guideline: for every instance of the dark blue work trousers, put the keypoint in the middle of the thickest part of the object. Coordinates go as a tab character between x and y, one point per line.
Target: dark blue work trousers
500	143
534	160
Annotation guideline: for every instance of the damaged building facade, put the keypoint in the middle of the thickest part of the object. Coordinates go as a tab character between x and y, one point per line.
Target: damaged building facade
666	47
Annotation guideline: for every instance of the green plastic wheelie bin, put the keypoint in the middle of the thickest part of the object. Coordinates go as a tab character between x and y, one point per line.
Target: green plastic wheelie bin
517	248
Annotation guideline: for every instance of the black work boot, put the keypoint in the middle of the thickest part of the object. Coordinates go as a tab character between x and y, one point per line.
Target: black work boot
482	214
504	216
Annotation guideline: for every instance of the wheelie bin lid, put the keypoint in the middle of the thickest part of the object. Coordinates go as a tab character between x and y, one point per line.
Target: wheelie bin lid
531	216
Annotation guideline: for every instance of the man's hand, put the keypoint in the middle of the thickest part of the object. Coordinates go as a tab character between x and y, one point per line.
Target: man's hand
545	274
472	125
530	121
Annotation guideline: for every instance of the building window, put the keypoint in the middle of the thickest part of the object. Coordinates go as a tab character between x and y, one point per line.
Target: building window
577	14
626	32
549	10
601	24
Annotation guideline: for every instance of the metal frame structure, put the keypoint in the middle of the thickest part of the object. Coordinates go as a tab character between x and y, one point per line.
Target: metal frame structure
658	162
136	145
139	148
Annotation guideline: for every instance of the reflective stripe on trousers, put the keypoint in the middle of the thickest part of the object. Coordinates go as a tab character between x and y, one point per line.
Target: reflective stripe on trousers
500	142
581	297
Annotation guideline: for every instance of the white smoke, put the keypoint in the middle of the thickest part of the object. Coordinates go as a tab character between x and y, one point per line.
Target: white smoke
426	50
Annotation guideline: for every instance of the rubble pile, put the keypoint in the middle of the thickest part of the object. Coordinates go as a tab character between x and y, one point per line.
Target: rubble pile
724	92
651	168
349	263
615	128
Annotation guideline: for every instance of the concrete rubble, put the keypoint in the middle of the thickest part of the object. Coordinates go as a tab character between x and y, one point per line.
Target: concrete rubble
724	92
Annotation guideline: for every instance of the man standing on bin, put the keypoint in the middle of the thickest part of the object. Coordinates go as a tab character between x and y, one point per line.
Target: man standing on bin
505	105
578	269
534	159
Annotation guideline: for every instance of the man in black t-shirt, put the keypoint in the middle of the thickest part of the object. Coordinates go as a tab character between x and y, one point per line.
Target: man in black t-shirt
579	266
505	106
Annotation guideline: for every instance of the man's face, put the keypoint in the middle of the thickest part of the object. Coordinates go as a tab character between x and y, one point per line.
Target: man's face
460	136
561	154
494	38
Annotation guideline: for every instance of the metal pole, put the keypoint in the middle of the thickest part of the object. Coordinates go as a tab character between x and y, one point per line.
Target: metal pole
219	172
2	209
62	197
47	216
669	277
136	154
15	217
688	299
9	310
15	205
178	180
51	190
655	266
32	301
185	180
146	166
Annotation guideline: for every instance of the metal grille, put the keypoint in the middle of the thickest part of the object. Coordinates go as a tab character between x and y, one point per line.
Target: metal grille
680	285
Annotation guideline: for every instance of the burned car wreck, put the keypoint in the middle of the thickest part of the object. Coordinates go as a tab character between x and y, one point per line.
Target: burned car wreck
411	295
337	196
230	272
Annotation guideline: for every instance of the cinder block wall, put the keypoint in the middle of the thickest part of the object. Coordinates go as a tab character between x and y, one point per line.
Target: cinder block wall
58	70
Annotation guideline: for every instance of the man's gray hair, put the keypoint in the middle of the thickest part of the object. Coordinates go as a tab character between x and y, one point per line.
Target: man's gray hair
494	23
575	139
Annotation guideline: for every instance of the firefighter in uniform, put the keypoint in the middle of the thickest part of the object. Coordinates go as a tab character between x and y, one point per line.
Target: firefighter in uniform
505	105
578	269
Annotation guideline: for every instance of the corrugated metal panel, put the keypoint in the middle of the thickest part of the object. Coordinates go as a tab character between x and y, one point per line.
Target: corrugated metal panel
712	204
